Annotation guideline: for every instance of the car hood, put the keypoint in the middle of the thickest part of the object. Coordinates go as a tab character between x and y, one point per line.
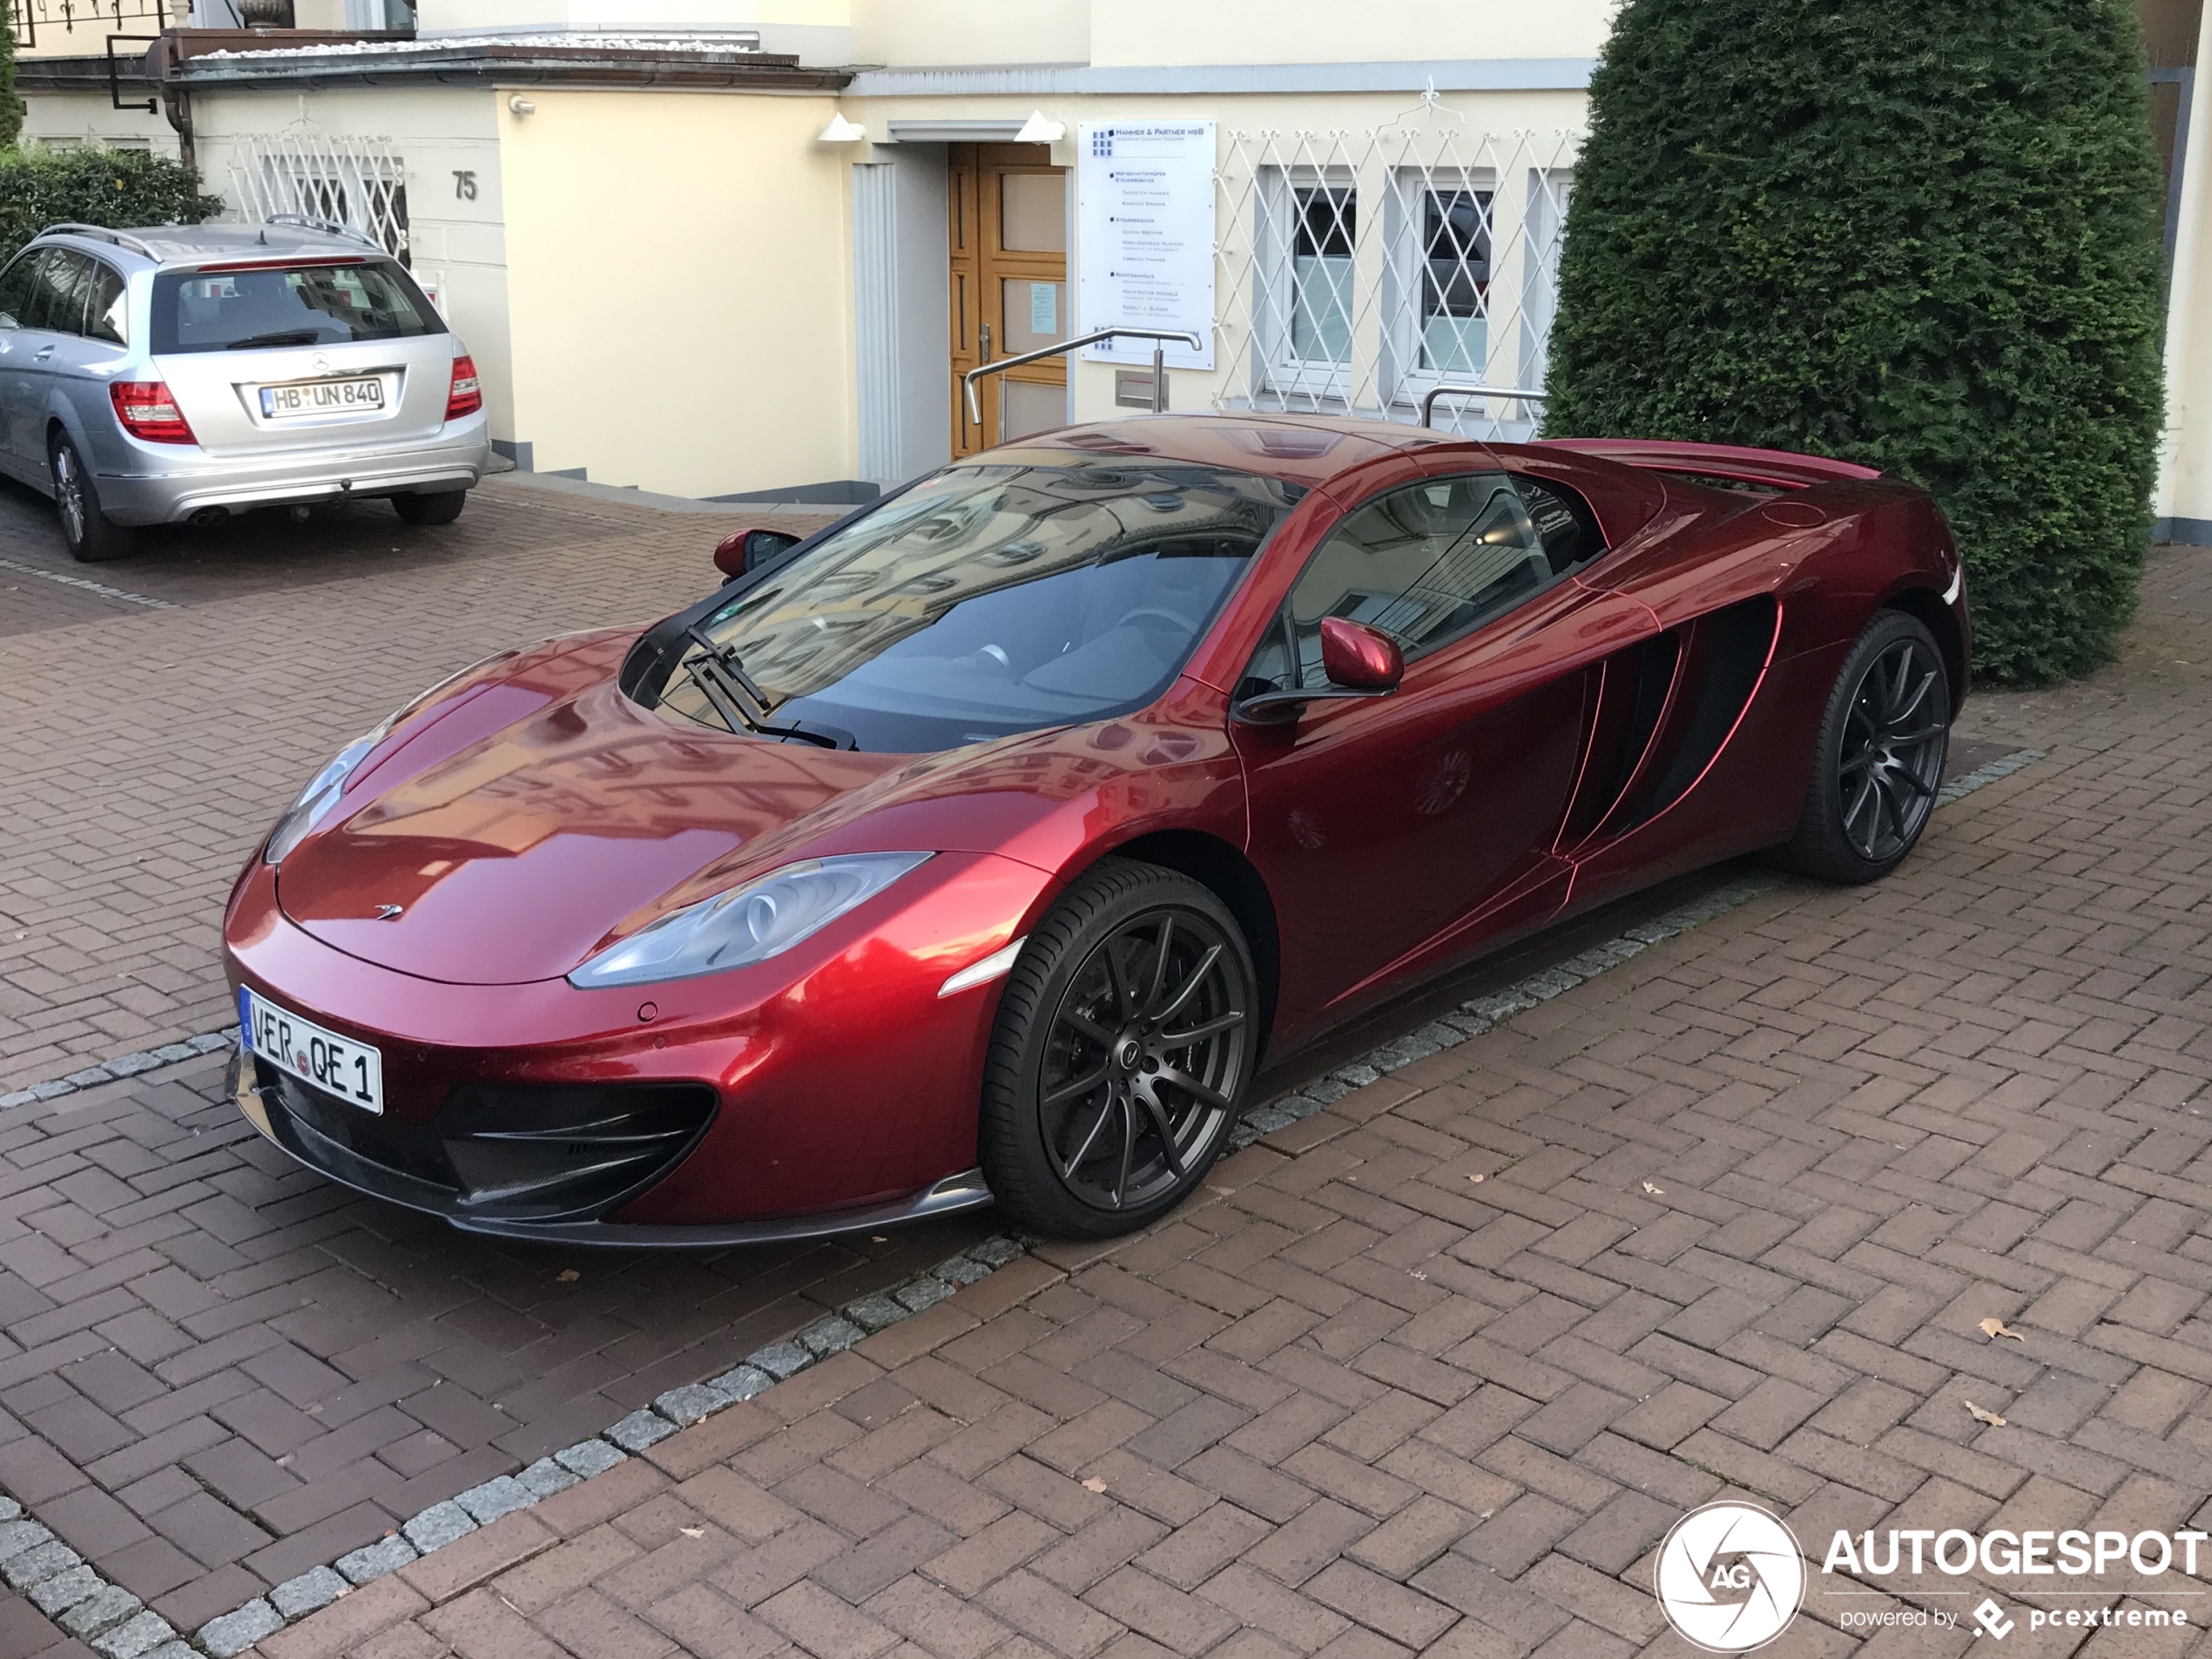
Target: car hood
511	836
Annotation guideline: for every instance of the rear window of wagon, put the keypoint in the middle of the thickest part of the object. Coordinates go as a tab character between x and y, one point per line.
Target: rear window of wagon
304	303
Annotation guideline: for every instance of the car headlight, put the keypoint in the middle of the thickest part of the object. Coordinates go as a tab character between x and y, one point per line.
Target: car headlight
319	796
748	924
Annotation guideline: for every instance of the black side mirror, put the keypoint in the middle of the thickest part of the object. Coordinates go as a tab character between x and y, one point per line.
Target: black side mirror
748	550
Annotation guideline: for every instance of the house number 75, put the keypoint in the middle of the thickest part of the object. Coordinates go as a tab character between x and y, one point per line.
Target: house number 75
464	185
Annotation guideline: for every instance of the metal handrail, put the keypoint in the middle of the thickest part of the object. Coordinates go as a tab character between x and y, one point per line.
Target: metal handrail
1159	374
1521	394
103	233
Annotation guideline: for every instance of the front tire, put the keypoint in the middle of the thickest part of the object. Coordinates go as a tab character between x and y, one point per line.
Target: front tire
437	507
1126	1035
1878	760
90	535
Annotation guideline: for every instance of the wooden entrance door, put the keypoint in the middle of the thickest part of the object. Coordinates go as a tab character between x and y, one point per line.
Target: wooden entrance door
1009	235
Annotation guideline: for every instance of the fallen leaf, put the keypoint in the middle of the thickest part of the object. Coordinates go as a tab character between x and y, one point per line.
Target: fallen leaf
693	1531
1094	1484
568	1276
1995	1328
1981	1416
1474	1178
1656	1192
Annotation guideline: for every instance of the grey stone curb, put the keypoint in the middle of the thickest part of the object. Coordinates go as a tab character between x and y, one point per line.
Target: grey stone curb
1988	772
116	1625
123	1065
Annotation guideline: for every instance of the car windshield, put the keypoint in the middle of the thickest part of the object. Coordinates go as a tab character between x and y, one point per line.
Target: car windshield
989	600
314	302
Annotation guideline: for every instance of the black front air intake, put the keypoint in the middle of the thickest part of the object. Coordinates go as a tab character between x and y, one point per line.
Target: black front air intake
511	1152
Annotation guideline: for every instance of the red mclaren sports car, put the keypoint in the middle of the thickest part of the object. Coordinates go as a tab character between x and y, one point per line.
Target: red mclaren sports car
980	847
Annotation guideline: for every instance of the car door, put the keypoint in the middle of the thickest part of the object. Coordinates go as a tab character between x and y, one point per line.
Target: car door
18	344
1399	831
81	369
53	314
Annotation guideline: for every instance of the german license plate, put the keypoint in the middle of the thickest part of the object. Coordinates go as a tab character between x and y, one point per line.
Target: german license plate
364	395
353	1071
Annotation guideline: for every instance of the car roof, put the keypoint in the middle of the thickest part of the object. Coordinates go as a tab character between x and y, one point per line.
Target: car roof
1298	449
192	244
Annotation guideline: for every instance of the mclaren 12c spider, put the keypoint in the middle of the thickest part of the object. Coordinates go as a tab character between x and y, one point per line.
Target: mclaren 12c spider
980	847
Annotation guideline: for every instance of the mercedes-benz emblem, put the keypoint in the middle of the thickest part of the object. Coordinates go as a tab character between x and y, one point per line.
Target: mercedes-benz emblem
389	912
322	364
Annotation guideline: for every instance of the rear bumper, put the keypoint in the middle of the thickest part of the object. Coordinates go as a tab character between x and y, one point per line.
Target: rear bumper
191	480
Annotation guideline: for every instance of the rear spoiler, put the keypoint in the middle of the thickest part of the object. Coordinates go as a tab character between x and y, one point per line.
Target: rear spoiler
1777	467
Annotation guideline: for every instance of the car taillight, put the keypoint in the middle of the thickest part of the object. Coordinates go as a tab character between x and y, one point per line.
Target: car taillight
466	397
147	411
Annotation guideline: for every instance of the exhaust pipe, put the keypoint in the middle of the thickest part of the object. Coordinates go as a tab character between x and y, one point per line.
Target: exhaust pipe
207	517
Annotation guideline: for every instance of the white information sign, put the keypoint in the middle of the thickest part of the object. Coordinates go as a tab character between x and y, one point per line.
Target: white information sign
1146	196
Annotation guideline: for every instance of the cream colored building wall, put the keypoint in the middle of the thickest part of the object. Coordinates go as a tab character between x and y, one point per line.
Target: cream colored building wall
1331	31
929	33
437	133
679	289
68	118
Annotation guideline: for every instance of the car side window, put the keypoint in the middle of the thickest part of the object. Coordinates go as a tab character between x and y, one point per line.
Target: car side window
14	287
104	310
1427	564
1564	520
58	293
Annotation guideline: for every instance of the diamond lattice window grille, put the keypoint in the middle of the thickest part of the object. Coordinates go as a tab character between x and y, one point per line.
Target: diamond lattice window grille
1358	270
303	169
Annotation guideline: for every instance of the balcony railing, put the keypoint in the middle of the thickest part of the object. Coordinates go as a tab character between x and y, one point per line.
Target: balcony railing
80	28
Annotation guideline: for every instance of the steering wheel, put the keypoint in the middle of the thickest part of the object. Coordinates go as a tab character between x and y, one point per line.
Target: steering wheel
1178	626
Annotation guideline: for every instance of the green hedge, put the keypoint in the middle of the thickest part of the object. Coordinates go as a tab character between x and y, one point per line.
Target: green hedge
117	188
1925	237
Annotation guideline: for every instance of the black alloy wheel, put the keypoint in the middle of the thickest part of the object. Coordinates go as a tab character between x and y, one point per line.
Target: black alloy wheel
1878	760
1125	1038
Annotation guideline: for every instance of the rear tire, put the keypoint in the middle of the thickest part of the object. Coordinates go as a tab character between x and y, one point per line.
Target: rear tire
1126	1035
437	507
1878	760
90	535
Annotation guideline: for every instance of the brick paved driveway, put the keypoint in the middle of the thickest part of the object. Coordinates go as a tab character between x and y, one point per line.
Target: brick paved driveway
154	732
1358	1400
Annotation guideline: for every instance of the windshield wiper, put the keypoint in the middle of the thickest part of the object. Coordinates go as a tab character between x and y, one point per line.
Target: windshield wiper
717	672
281	337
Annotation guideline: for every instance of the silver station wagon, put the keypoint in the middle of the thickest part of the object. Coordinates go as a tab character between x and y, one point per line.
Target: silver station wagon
187	373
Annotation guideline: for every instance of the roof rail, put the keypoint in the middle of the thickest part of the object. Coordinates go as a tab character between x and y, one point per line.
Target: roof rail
328	227
101	233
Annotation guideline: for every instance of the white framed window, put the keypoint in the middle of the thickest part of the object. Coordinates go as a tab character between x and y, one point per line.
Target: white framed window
1360	270
1544	235
1304	280
1438	232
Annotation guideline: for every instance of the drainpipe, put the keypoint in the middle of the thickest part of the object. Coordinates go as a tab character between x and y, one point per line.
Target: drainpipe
176	103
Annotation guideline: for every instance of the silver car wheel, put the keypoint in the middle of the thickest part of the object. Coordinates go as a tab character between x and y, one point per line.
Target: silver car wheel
69	494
